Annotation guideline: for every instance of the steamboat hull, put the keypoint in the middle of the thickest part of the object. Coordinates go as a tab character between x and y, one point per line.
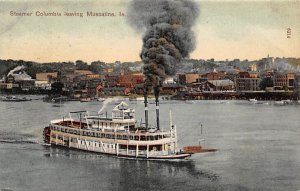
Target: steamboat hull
177	157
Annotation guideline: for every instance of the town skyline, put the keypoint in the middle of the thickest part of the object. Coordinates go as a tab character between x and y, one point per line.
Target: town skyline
140	61
225	30
266	79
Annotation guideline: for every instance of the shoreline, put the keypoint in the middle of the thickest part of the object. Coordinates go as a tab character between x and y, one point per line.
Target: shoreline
266	96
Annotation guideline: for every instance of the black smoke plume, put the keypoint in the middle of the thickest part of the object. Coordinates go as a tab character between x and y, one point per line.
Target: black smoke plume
167	39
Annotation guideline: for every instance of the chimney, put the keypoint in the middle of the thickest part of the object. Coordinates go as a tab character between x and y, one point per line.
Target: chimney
146	110
157	112
156	93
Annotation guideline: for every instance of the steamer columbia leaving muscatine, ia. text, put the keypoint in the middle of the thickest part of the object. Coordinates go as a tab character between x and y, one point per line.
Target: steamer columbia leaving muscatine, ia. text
42	13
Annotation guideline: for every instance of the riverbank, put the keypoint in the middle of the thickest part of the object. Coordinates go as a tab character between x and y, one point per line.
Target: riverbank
213	95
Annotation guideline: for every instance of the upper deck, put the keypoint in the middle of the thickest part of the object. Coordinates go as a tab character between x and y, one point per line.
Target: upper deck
122	118
122	126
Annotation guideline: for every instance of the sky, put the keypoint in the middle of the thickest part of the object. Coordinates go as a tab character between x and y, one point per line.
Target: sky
224	30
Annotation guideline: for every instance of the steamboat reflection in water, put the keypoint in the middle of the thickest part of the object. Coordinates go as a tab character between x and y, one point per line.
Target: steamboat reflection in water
132	173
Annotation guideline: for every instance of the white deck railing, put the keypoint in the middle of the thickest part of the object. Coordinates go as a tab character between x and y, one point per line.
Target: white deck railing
124	135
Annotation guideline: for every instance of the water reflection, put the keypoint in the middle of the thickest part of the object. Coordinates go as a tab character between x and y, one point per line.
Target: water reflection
127	174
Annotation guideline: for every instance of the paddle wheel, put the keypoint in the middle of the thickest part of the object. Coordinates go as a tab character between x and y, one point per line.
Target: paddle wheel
46	135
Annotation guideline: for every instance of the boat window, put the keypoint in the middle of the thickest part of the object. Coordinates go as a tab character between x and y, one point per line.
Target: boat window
131	137
126	115
136	137
143	138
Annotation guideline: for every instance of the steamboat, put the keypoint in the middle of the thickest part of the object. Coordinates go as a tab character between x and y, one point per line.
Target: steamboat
119	135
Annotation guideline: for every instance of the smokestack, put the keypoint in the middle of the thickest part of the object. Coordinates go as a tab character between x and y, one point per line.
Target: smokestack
146	110
156	93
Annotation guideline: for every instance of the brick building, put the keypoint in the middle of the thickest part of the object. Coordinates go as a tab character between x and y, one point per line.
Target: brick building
212	76
247	81
130	80
187	78
284	81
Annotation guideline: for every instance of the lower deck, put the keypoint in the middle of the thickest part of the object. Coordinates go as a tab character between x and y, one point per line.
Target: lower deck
164	150
120	150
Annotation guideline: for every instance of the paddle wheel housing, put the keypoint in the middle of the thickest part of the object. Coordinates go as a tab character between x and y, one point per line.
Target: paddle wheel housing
46	135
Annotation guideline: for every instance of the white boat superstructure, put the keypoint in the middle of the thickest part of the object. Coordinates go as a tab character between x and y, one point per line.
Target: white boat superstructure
119	135
253	100
279	102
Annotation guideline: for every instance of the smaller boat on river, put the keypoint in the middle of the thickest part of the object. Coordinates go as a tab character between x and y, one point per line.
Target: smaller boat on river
253	100
15	99
86	99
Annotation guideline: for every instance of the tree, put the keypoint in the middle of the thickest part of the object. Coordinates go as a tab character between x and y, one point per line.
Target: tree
80	65
297	93
266	82
57	88
96	67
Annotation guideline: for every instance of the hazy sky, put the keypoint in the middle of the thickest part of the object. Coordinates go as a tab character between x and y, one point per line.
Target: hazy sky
224	30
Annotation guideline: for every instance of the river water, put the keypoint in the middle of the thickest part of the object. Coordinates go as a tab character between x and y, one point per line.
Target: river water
258	149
